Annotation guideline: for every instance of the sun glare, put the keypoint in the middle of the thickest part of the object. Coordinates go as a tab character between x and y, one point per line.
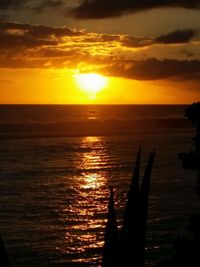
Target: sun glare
91	83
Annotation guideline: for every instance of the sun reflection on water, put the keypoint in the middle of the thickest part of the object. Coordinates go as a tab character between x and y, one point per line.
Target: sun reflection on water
87	212
91	139
91	181
92	160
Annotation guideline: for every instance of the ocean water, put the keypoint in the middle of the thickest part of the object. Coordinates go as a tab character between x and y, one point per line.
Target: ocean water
56	164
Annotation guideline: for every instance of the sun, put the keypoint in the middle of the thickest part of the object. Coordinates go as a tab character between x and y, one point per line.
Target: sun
91	83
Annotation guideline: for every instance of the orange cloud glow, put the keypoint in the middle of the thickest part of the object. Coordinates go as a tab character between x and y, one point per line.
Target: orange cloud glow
40	62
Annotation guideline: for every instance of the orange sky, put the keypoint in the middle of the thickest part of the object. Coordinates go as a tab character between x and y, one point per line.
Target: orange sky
40	57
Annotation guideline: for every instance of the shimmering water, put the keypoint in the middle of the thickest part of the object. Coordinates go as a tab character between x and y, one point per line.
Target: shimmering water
54	191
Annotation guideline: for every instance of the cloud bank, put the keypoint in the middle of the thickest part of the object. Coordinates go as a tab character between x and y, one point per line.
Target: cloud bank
153	69
35	46
98	9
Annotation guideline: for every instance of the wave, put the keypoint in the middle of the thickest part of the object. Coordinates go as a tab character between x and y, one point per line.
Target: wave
90	127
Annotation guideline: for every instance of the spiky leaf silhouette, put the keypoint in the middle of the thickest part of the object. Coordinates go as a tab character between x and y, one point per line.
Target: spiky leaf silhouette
142	211
129	249
132	200
111	236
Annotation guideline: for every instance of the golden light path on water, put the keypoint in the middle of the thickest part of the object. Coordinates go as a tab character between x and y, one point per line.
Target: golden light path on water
89	207
92	161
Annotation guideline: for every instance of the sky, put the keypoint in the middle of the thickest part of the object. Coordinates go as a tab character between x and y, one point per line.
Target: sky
148	51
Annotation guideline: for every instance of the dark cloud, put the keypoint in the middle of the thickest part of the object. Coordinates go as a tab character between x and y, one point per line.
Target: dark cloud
10	41
34	31
16	35
179	36
7	4
135	42
48	4
26	35
30	4
44	31
175	37
153	69
97	9
24	45
3	16
34	46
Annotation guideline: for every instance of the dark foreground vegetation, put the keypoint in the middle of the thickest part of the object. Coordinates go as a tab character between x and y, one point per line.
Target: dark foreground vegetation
127	248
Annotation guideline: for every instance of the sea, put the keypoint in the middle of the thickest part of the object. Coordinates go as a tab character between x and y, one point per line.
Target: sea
57	163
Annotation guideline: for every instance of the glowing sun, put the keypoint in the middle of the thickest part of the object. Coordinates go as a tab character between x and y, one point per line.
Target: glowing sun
91	83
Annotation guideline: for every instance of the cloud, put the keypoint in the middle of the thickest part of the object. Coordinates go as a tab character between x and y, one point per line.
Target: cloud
48	4
9	4
11	41
30	4
153	69
19	35
131	41
176	37
98	9
24	45
35	46
15	36
3	17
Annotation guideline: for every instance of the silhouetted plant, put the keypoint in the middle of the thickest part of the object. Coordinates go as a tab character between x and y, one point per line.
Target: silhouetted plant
129	249
111	243
187	248
129	232
191	160
143	209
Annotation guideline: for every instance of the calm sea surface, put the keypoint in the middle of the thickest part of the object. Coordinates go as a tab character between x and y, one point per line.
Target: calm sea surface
56	163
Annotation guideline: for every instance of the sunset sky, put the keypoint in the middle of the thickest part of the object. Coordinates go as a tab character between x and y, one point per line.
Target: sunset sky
145	51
